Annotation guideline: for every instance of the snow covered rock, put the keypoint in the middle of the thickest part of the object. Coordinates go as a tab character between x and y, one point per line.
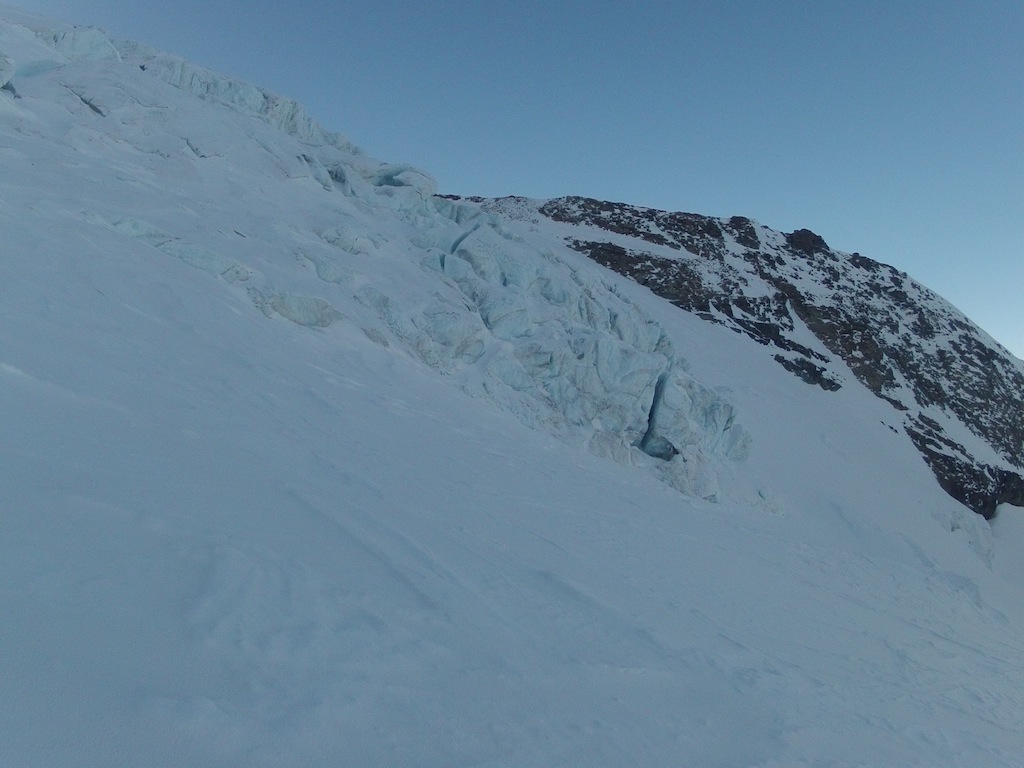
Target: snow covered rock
831	319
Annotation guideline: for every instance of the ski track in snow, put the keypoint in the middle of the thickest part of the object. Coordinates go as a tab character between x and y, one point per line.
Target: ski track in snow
304	466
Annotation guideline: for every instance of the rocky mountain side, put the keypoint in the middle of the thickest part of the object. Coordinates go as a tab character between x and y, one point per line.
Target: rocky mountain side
830	318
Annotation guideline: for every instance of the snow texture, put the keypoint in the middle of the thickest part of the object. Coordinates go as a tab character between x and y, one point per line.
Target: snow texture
303	465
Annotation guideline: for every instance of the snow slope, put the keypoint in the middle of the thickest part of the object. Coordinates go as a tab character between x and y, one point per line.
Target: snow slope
305	466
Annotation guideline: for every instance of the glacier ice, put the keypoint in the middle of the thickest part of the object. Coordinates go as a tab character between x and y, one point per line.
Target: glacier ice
193	255
441	279
310	311
83	43
282	113
573	355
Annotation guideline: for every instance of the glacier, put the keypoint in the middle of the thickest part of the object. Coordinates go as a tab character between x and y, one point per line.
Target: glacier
562	351
304	464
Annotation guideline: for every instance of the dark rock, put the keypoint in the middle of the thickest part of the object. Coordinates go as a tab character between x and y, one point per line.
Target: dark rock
975	484
743	231
806	242
809	372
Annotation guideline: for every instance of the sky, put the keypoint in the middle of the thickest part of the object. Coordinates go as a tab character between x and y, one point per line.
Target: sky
892	129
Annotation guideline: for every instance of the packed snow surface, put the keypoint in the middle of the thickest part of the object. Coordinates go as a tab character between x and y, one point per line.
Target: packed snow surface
305	466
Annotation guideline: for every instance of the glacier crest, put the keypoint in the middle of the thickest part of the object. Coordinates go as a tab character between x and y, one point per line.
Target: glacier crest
285	114
82	44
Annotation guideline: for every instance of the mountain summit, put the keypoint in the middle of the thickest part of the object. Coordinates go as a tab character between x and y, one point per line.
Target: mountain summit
305	464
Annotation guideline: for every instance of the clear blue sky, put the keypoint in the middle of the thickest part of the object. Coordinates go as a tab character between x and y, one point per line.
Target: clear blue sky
891	128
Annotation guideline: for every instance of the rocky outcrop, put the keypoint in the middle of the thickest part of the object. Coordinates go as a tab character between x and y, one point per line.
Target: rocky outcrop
897	338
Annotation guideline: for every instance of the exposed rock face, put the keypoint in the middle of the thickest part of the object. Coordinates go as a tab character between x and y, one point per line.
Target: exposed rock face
961	395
